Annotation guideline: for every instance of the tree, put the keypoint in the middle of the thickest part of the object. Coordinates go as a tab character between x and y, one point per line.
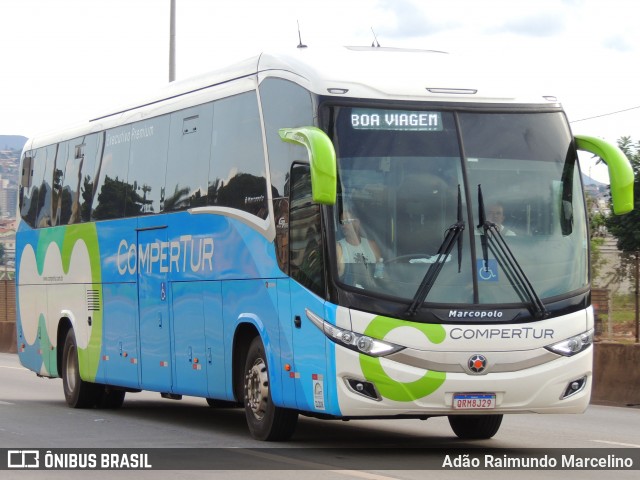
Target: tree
626	228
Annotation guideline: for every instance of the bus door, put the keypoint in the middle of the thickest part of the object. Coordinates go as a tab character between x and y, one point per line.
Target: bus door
153	304
309	351
307	272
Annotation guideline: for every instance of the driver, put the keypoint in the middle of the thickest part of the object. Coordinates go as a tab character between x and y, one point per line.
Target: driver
354	248
495	214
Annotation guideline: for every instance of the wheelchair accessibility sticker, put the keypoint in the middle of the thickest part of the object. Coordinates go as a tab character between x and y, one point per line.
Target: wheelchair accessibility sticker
487	271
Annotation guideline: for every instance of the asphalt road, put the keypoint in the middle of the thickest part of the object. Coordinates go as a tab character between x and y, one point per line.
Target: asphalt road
33	415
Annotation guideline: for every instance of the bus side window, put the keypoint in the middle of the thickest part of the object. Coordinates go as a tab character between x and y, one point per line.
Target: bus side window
76	189
305	241
47	158
144	191
28	190
236	174
188	164
58	179
284	104
111	183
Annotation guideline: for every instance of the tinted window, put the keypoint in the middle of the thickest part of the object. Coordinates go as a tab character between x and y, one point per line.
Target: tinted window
74	203
29	188
284	104
147	166
111	188
58	178
91	150
306	238
237	172
42	178
189	152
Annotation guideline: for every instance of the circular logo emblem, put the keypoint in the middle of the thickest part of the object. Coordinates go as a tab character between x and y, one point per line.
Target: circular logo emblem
477	363
374	372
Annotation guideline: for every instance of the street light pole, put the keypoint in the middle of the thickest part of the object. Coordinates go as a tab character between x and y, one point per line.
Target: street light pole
172	41
637	282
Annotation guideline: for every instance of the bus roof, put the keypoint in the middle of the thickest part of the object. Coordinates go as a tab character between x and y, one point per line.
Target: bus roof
356	72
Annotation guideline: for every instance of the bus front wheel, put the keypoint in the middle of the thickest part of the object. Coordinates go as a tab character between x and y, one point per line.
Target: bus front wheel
265	420
475	427
77	392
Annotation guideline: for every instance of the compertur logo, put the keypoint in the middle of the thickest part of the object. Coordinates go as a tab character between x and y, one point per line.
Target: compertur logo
388	387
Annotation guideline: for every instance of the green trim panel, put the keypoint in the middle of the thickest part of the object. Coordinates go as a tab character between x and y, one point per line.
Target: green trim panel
620	170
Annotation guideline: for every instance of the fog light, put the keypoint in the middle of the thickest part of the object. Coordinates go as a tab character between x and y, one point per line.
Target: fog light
576	386
364	388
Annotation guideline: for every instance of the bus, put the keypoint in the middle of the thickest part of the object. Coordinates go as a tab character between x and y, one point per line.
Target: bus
343	234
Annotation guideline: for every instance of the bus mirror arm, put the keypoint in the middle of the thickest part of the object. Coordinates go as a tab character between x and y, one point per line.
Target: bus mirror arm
620	170
322	158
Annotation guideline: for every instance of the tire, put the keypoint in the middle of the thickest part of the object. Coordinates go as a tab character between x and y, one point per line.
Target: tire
77	392
265	420
475	427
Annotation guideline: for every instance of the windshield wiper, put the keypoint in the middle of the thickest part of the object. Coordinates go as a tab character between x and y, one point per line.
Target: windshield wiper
453	235
506	257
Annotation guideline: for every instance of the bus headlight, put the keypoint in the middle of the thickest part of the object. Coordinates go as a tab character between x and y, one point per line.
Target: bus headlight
352	340
572	345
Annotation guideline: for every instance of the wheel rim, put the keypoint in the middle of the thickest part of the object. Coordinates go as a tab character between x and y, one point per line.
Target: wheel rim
71	369
257	388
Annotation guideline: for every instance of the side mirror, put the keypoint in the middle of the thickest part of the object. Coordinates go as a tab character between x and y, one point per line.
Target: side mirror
620	170
322	158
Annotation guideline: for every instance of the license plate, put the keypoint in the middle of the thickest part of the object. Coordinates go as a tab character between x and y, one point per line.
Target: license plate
474	401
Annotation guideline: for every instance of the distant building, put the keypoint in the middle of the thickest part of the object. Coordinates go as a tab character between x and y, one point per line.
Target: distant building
9	166
8	198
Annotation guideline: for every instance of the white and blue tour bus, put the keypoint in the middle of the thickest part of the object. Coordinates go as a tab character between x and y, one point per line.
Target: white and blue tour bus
361	233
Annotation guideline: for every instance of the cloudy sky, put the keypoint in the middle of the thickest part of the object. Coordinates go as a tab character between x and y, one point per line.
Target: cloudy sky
67	60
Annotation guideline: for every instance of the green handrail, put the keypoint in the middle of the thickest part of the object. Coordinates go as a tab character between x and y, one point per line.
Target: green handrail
620	170
322	157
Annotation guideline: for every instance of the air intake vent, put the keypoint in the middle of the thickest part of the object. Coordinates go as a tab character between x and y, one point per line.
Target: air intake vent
93	300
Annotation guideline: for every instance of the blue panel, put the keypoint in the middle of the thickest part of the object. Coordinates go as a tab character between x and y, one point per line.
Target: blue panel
189	342
254	302
333	406
214	333
118	252
286	344
309	352
155	329
120	358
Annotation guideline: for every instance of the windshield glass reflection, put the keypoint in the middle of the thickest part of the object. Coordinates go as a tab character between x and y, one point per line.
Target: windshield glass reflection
399	173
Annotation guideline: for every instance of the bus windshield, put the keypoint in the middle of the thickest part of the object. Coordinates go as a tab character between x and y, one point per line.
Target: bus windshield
407	177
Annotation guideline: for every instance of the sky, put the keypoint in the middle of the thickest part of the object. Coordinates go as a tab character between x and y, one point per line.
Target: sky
64	61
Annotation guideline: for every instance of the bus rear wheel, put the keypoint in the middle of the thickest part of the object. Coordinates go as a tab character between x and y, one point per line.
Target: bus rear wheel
265	420
77	392
475	427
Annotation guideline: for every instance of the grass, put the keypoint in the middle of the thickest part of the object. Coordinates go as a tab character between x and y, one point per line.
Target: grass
623	319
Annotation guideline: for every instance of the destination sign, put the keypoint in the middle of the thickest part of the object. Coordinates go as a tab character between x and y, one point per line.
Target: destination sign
403	120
